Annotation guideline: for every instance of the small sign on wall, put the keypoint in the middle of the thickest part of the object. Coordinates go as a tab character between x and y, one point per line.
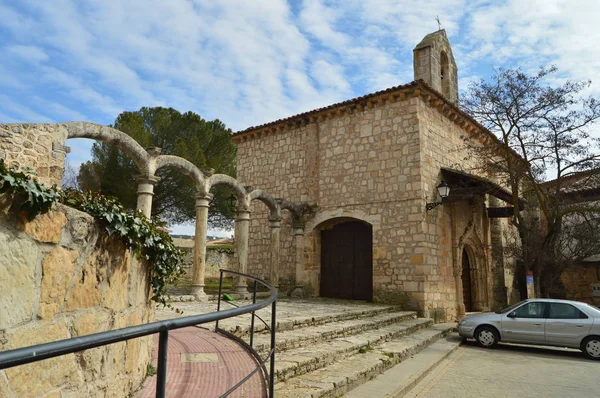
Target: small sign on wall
530	286
596	290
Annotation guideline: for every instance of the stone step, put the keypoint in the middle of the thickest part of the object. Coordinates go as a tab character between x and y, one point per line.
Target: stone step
307	359
339	377
300	337
240	326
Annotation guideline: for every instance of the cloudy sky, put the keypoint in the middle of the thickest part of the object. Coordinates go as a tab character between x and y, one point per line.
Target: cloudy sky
247	62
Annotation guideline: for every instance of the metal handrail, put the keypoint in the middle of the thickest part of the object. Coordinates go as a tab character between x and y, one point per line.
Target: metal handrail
25	355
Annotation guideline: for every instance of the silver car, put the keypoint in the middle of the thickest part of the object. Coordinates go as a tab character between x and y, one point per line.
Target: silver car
560	323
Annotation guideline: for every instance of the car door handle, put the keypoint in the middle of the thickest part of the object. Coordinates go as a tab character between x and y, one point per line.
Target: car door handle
579	326
537	324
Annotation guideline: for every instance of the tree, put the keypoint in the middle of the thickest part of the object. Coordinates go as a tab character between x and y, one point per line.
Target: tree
207	144
544	133
70	176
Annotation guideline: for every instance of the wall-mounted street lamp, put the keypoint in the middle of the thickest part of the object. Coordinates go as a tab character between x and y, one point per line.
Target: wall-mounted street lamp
443	190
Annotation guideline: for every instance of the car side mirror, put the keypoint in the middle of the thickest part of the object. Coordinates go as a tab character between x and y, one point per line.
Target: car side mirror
512	315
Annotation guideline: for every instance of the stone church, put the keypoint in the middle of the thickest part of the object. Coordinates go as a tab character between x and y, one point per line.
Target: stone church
374	226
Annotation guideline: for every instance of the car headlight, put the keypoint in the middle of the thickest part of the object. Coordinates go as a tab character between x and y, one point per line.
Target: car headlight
463	322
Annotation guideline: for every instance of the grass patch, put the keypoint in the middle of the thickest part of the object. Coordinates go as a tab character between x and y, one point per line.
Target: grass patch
211	286
150	370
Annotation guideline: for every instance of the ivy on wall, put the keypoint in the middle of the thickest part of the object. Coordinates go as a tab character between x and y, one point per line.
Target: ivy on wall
146	238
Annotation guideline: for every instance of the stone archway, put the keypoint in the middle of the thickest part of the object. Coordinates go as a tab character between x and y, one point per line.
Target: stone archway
473	290
346	259
468	289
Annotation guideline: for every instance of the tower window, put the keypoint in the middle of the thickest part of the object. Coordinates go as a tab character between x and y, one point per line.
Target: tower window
444	74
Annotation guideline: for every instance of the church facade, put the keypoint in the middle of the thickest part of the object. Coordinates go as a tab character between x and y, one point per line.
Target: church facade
366	171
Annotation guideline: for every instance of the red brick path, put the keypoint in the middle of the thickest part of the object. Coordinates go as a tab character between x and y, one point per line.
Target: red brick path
222	363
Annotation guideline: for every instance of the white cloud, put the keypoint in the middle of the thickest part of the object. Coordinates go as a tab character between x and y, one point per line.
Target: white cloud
31	54
252	62
22	113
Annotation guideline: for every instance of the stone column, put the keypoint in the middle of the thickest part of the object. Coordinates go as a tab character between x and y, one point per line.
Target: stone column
242	228
145	192
299	290
456	263
202	204
275	224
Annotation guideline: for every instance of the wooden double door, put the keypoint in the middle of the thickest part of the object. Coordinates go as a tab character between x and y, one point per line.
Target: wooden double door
347	261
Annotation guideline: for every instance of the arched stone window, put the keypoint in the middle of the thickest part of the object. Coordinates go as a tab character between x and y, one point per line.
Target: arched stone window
444	74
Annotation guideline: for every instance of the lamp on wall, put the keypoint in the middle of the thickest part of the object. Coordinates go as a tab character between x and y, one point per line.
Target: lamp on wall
232	202
443	190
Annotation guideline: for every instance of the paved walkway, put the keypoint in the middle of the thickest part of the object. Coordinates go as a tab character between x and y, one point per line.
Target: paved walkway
201	363
512	371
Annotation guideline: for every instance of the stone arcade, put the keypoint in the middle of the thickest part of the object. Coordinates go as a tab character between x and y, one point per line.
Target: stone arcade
364	170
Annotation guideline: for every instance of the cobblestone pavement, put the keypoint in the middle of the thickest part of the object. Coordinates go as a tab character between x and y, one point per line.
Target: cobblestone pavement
512	371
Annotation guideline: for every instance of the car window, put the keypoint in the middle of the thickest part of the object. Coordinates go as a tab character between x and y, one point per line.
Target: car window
565	311
531	310
510	308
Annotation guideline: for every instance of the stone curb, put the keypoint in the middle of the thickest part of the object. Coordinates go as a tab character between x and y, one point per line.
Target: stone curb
401	379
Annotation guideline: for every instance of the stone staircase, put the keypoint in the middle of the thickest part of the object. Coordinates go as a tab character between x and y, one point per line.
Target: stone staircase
327	356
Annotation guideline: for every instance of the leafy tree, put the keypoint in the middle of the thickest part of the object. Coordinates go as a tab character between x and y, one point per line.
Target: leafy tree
206	144
544	134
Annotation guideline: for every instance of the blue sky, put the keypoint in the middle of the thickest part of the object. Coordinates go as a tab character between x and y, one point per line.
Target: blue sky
250	62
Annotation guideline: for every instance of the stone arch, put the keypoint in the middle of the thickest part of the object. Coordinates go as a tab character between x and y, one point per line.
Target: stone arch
322	216
185	167
269	201
239	190
471	244
142	159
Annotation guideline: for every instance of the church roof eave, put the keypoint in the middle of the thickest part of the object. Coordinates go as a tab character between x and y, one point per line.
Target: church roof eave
414	89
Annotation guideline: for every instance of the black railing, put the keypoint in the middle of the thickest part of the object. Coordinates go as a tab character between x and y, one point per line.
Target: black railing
25	355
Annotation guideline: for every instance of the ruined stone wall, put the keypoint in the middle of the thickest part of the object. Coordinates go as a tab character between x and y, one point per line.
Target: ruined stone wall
37	146
61	276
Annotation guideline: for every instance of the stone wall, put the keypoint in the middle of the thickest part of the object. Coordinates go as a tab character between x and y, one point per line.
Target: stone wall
215	260
363	165
379	164
37	146
447	229
284	165
581	281
61	276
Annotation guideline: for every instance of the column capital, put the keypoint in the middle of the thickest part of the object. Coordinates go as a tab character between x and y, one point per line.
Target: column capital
242	215
203	200
147	179
298	230
275	222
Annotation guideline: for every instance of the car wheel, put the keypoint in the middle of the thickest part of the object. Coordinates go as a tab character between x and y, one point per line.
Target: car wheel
486	336
591	347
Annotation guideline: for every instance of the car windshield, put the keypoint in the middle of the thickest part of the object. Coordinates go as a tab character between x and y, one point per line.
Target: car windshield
510	308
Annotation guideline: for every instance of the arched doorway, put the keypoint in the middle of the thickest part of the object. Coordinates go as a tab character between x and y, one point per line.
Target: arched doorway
467	285
347	261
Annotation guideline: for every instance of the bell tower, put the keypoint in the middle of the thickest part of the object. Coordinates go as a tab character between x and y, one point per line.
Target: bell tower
433	62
